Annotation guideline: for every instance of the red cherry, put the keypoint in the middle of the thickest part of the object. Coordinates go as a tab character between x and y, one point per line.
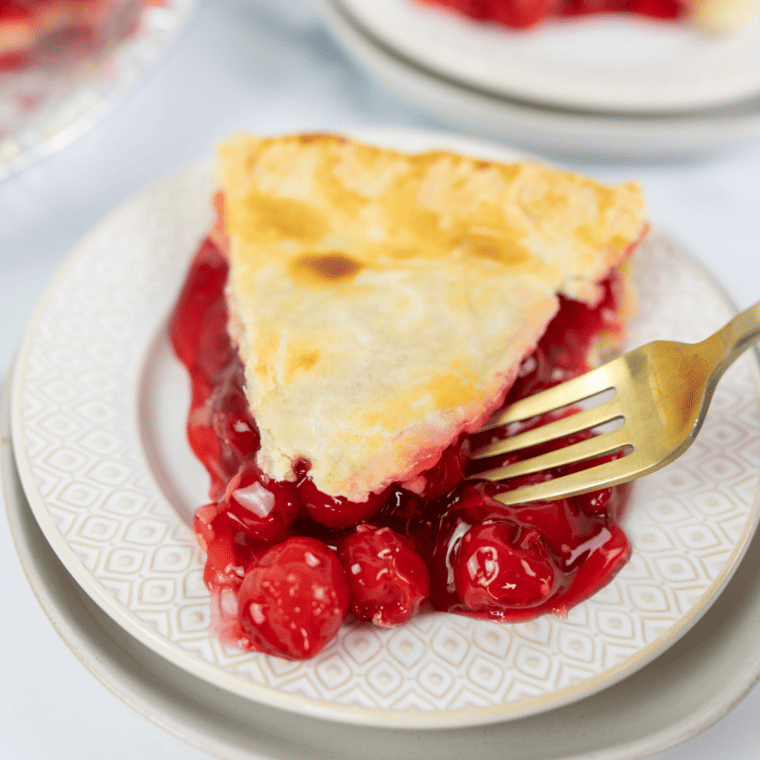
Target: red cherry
448	472
231	418
601	504
337	511
558	522
388	581
16	59
401	512
501	568
262	507
658	8
16	10
438	531
202	524
477	9
228	549
521	14
599	560
474	502
582	7
220	429
293	601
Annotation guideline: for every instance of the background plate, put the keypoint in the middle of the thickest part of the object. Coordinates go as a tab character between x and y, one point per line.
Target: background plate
98	426
607	62
543	128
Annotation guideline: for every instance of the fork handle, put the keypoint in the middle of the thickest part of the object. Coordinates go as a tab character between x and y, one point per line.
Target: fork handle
731	341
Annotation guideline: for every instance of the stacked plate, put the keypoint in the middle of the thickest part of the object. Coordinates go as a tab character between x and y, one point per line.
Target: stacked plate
622	87
101	487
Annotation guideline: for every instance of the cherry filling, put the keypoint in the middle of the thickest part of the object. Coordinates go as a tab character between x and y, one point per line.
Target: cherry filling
521	14
286	562
294	599
387	578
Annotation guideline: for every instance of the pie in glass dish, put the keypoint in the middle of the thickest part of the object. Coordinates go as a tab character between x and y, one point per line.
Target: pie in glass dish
351	320
719	16
48	32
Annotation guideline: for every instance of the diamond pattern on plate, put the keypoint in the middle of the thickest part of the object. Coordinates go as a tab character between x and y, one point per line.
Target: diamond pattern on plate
407	649
648	599
450	647
111	511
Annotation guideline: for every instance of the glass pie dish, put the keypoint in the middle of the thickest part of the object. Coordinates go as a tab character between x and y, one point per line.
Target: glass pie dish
65	65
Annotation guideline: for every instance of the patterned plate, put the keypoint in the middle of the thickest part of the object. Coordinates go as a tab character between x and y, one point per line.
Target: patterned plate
98	415
606	63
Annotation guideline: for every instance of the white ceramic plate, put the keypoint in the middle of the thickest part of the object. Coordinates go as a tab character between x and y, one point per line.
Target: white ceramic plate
609	63
68	103
99	410
661	705
544	128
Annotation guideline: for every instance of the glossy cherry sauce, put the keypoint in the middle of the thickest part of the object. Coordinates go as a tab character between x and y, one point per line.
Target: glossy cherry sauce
522	14
285	562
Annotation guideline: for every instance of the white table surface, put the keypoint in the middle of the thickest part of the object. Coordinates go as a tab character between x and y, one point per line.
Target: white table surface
268	66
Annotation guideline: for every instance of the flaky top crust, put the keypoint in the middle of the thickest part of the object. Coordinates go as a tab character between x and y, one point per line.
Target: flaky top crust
382	302
722	16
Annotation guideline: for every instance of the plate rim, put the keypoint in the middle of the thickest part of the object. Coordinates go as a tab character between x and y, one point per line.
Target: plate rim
297	703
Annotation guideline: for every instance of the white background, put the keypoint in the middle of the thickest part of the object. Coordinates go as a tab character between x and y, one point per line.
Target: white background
267	67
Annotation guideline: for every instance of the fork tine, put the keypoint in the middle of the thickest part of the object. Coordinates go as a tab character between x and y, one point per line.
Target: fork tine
573	423
572	391
577	452
592	479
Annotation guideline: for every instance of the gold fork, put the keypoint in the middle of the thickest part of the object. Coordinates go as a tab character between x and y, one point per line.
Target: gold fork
662	392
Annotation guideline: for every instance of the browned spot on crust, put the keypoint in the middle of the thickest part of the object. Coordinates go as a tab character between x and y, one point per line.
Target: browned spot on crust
324	269
303	361
507	252
267	217
318	137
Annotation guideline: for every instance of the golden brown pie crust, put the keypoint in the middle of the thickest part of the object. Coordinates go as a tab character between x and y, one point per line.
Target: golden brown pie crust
382	301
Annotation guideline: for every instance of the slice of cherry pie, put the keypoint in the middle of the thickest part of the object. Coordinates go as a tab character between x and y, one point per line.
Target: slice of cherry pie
713	15
351	320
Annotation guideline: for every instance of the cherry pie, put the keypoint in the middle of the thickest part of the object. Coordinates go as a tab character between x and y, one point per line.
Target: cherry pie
351	320
31	30
712	15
